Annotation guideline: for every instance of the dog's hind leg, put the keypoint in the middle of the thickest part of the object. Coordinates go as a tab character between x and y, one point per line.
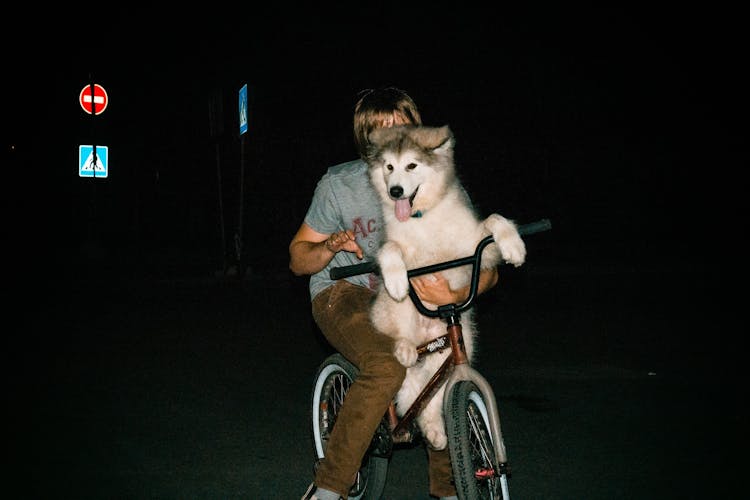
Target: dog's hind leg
432	423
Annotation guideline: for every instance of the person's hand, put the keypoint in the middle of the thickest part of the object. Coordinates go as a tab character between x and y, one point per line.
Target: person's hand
344	240
434	288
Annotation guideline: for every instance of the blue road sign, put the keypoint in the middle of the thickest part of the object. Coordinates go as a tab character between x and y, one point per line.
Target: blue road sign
243	109
87	167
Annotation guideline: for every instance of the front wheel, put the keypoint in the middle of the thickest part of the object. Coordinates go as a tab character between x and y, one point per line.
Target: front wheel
335	375
475	469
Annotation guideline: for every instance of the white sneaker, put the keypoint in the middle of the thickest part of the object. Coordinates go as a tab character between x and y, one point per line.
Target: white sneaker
310	493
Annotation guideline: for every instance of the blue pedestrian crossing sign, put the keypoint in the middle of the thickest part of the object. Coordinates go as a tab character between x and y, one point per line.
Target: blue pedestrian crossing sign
243	109
87	167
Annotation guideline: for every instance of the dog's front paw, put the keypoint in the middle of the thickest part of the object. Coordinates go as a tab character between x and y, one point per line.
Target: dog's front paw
405	352
397	285
513	249
393	271
508	240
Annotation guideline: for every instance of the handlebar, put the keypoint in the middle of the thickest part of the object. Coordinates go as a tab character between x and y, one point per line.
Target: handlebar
475	259
372	266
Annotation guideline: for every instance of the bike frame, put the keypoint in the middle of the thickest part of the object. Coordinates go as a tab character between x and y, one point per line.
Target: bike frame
456	367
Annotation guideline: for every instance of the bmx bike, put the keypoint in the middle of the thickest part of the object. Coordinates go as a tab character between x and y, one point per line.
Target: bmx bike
475	441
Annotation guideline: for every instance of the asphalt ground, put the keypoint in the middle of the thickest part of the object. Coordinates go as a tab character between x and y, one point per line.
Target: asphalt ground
613	382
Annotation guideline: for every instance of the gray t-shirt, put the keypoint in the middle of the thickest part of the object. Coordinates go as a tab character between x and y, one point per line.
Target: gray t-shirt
345	199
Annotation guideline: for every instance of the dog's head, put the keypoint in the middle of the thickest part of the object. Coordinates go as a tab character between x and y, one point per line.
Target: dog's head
411	167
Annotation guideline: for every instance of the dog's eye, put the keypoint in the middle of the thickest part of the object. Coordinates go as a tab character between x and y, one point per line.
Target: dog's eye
389	167
411	166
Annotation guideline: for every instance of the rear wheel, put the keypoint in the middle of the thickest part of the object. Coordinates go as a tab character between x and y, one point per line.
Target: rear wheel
335	376
471	446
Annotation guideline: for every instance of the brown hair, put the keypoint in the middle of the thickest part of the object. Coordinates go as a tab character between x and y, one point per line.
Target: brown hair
382	107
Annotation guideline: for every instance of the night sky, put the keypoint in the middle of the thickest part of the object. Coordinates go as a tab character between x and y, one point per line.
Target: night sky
620	125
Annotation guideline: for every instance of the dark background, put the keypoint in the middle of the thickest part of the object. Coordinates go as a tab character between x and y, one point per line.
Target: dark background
621	125
136	363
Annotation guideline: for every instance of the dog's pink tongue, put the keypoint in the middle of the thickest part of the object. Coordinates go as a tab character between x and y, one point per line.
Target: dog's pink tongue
403	209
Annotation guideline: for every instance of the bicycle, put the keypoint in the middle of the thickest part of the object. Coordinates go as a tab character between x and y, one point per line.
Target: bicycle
475	440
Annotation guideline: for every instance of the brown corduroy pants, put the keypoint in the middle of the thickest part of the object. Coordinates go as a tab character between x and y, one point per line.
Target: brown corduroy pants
342	314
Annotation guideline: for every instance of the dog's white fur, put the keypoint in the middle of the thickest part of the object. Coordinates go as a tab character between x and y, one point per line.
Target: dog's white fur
417	164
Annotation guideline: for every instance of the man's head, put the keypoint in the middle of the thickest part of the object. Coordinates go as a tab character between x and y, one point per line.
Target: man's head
384	107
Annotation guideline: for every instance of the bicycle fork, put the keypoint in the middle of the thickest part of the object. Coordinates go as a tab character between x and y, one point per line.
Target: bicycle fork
462	370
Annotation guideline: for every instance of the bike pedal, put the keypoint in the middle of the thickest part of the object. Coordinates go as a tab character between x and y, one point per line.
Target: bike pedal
382	444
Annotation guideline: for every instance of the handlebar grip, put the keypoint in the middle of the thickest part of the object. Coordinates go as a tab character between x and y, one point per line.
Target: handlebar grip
353	270
535	227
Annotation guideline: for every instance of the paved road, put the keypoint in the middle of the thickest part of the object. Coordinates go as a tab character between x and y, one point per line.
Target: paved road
197	387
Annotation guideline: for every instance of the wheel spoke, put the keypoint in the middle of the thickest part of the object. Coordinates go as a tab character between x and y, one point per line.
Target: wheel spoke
339	391
480	442
332	383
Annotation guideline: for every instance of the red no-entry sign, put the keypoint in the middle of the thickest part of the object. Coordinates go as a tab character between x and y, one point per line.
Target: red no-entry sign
98	101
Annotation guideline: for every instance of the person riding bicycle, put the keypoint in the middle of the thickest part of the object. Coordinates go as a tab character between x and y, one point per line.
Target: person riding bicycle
342	226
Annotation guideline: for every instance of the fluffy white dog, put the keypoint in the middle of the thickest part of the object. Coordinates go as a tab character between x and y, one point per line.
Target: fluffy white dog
428	219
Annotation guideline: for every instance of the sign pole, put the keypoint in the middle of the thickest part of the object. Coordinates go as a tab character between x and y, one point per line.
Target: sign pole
93	100
93	121
216	128
243	110
238	235
92	220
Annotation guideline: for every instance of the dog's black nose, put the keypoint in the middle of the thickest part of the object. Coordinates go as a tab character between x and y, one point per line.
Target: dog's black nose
397	191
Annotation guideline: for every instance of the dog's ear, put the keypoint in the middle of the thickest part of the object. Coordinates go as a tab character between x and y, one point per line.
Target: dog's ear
376	136
381	135
438	139
376	140
448	141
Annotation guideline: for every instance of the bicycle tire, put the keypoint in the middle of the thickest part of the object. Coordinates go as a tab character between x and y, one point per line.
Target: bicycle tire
334	377
470	442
